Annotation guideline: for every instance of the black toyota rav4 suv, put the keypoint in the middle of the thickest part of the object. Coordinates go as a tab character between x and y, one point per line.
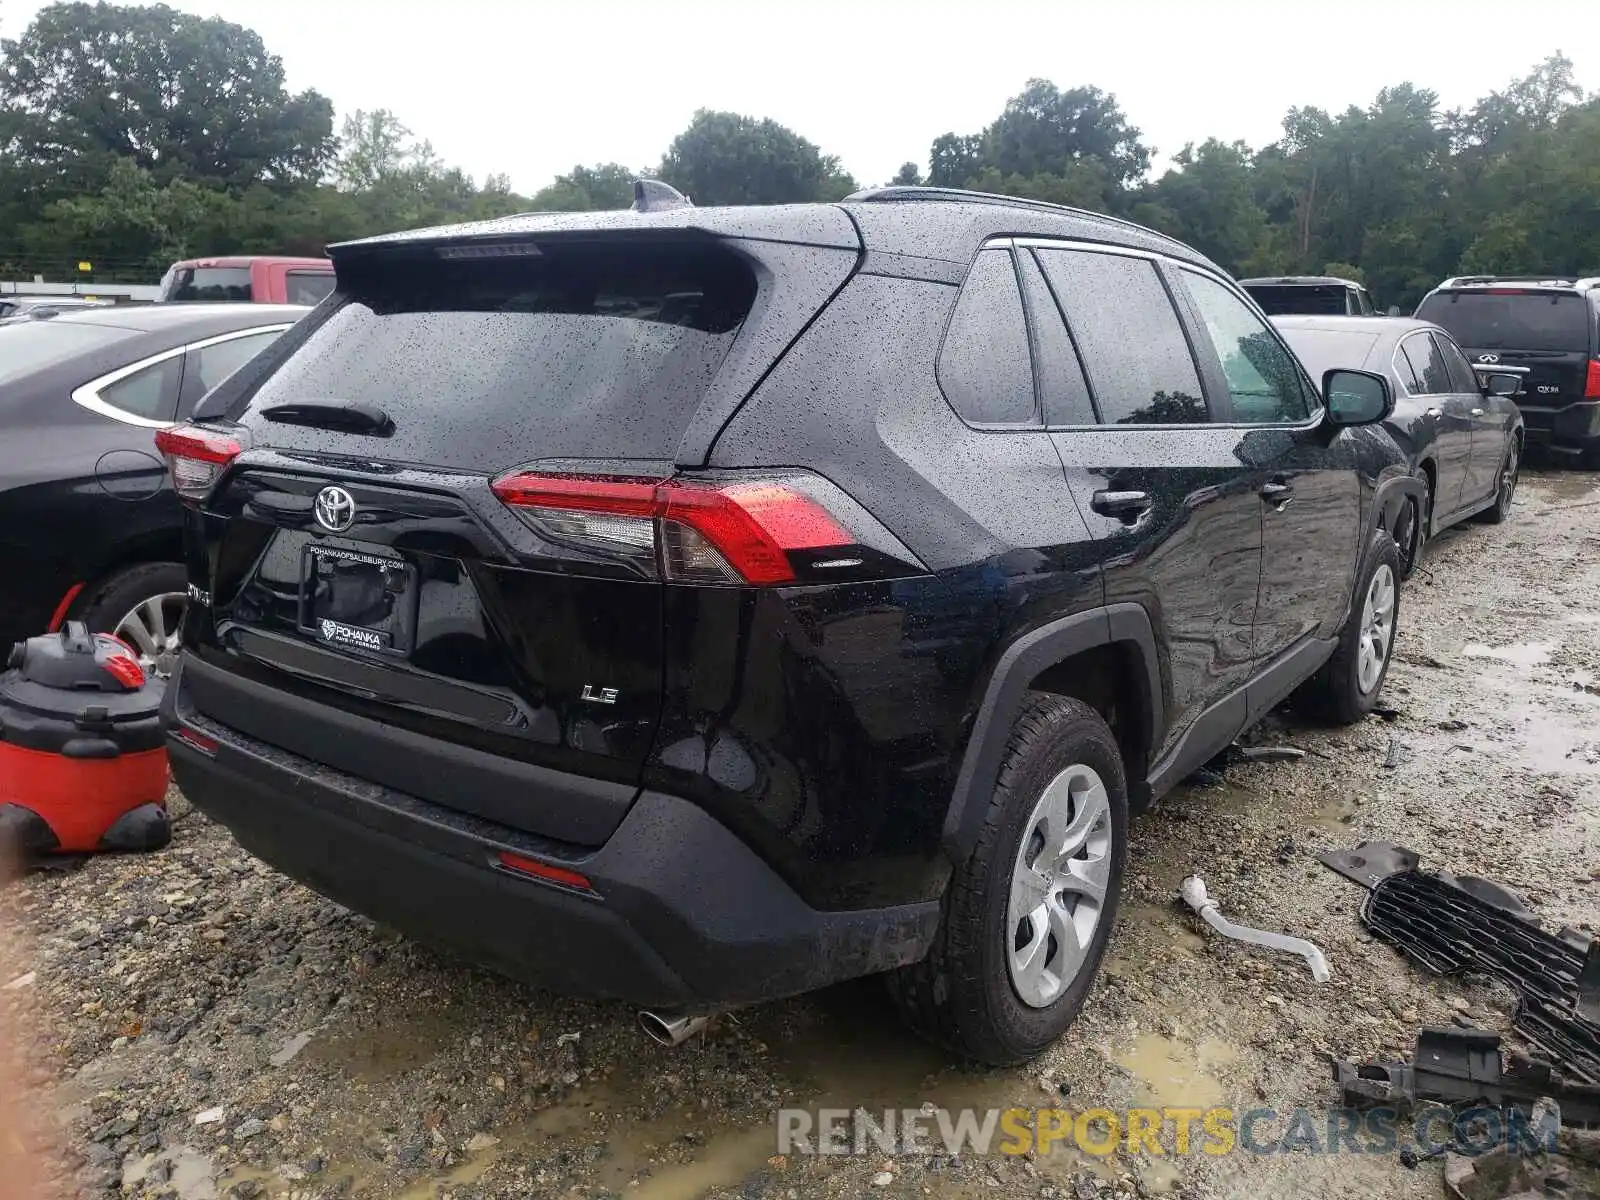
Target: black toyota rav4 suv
698	606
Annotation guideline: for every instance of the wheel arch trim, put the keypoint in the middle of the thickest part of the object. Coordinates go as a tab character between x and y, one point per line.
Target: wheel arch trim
1022	661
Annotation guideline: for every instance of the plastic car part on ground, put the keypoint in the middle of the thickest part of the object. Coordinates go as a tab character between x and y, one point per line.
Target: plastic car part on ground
1464	1067
1452	924
83	763
1193	891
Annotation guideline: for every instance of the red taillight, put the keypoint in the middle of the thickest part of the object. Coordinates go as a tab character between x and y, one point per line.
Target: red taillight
1591	385
706	532
196	457
546	871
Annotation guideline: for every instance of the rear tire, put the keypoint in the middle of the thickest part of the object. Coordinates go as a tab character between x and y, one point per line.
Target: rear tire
1347	687
1019	944
1410	533
152	593
1505	487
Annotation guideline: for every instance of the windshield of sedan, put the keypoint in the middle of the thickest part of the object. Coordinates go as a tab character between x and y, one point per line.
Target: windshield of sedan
29	346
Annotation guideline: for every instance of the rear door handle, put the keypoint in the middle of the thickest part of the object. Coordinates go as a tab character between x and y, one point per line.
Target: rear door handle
1477	412
1277	494
1127	507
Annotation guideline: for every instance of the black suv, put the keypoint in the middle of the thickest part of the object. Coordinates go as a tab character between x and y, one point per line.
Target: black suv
1549	326
699	606
1310	295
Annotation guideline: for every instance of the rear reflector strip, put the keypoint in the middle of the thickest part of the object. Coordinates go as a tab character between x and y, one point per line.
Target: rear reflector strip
196	741
545	871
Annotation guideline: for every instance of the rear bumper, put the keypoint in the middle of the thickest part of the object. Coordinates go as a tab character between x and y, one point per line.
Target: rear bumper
683	915
1574	428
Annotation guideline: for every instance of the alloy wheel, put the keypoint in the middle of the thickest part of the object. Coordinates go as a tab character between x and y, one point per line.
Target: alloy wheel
154	630
1377	628
1058	885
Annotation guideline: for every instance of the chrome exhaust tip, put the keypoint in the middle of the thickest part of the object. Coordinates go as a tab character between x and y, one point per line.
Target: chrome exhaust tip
668	1030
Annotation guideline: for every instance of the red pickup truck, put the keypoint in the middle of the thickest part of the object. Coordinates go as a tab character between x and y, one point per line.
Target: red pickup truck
259	279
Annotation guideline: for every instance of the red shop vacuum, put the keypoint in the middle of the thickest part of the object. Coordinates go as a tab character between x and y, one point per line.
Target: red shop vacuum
83	759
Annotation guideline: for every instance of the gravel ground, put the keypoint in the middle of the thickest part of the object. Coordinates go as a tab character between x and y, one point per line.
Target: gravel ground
211	1029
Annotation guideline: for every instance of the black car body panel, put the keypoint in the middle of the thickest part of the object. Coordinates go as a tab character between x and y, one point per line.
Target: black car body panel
1548	327
842	722
1450	429
83	490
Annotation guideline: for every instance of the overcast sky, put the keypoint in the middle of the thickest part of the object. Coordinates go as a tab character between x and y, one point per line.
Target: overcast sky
532	88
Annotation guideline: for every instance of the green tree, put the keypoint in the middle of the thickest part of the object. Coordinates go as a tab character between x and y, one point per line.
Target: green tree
909	175
1045	131
1208	200
607	186
182	97
725	158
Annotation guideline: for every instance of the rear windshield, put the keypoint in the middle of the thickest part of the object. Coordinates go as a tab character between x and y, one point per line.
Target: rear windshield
1317	300
488	362
1321	350
1515	321
308	287
29	346
209	283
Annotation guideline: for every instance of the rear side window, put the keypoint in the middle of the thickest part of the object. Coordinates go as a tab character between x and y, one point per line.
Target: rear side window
210	283
1063	390
1495	320
1132	342
1462	376
151	393
485	363
984	366
1427	365
1263	379
308	287
210	365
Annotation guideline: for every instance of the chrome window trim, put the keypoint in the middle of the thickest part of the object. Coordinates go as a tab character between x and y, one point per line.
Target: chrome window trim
88	395
1318	408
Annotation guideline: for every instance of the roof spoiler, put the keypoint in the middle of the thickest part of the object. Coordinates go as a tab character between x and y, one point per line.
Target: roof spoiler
651	195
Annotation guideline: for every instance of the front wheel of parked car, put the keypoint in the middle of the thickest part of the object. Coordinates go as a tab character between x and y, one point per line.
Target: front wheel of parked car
1505	488
1027	917
1347	686
144	606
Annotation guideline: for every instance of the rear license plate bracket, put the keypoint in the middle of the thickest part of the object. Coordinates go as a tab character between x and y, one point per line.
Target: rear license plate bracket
356	600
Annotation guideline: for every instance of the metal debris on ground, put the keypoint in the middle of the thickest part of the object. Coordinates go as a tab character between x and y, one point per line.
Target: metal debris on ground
1193	892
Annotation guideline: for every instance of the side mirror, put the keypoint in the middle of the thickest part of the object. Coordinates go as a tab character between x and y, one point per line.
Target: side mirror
1357	397
1501	384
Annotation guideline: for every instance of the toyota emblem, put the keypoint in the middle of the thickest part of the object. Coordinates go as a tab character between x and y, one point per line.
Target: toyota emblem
335	509
1488	358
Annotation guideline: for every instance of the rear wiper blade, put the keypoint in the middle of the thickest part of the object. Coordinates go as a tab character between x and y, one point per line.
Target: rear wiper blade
340	416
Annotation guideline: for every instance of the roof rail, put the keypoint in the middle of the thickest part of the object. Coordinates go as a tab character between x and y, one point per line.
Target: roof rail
908	192
1481	280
